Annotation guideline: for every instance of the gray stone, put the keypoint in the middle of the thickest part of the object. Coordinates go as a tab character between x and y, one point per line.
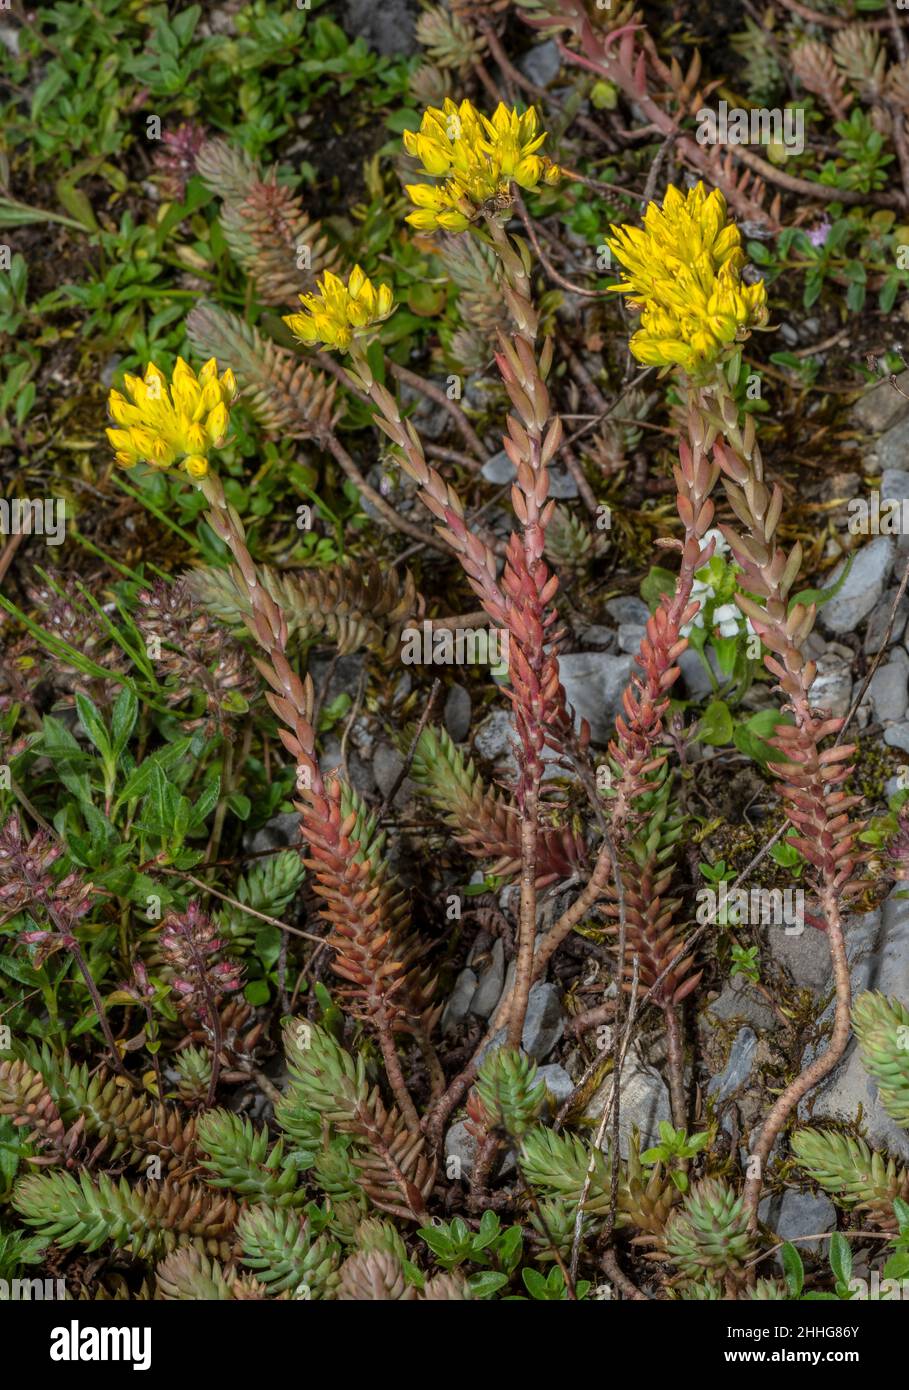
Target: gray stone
889	688
644	1103
457	713
628	609
562	485
740	1000
358	771
281	832
542	63
499	470
862	589
793	1215
806	956
495	740
343	677
388	28
882	406
877	623
893	784
630	635
897	736
386	765
694	673
877	945
544	1024
596	636
895	488
458	1005
557	1081
491	980
832	688
461	1145
892	450
737	1069
594	683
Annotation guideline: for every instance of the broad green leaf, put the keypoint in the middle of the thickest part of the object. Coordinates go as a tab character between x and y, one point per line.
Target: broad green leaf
793	1269
93	724
715	726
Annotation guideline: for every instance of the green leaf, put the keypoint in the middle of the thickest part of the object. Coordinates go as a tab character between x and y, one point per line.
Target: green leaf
821	596
206	804
657	583
749	738
257	992
793	1269
93	724
240	805
438	1240
840	1258
20	971
75	202
67	757
534	1283
123	719
508	1250
897	1267
268	944
403	119
489	1229
486	1283
715	726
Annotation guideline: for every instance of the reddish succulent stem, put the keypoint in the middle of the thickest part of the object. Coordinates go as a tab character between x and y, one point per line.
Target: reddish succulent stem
820	1067
675	1066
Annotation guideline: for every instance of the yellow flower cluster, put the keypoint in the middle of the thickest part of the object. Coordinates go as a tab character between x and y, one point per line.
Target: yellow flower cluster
163	423
684	271
478	158
338	312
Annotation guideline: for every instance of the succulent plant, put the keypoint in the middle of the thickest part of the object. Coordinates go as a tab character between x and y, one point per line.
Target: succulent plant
882	1028
710	1231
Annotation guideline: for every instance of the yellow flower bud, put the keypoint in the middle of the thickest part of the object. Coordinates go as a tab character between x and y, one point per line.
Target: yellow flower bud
169	421
338	311
683	271
480	157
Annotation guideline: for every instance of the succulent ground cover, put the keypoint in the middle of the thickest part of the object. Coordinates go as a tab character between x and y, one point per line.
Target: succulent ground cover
453	699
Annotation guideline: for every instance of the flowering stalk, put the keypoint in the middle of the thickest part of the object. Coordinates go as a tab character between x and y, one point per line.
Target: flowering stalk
368	920
684	271
189	943
481	160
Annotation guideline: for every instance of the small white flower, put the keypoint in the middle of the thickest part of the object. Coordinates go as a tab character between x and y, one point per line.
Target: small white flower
715	534
728	618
